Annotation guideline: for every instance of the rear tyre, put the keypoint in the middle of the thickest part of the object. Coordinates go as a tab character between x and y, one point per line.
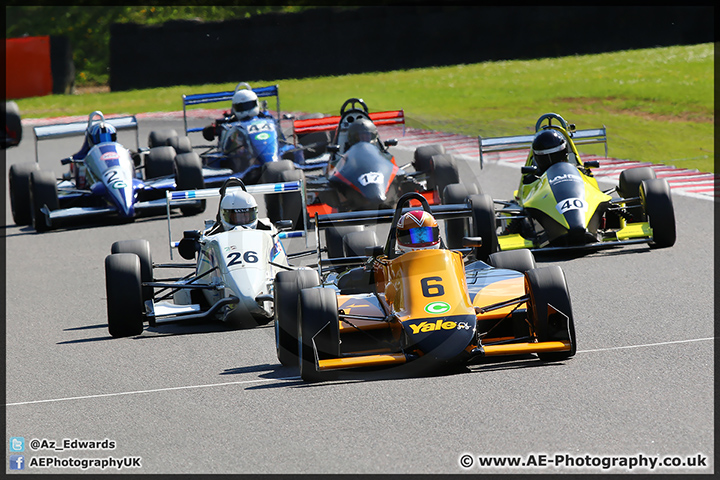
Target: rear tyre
189	176
43	193
271	174
456	229
629	187
444	172
141	248
180	144
318	330
159	138
319	142
125	308
422	158
547	287
291	204
287	287
658	206
160	162
484	225
334	239
519	260
19	182
354	243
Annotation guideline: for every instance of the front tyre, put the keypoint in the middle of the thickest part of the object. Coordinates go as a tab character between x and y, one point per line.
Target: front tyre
658	206
141	248
287	287
550	309
43	193
125	307
318	330
189	176
19	182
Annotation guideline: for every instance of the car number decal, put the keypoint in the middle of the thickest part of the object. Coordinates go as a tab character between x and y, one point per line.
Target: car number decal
571	204
112	181
235	258
432	289
371	177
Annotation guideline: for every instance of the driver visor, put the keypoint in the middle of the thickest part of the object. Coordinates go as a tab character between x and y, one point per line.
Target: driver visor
419	236
244	106
240	216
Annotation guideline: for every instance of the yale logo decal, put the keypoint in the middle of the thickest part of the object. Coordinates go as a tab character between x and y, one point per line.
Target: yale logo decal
439	325
437	308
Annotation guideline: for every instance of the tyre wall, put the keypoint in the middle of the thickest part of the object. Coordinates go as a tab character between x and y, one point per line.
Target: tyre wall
332	41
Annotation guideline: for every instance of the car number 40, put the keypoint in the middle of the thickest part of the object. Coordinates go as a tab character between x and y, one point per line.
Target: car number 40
235	258
571	204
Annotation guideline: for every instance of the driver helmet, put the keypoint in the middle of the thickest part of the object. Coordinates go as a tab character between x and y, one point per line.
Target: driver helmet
101	132
362	130
417	230
245	104
238	209
549	147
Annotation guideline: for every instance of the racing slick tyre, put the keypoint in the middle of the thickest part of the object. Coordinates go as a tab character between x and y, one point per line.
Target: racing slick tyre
271	174
422	158
484	225
354	243
629	187
334	239
180	144
19	182
124	294
519	260
189	176
141	248
291	204
13	125
160	162
159	138
43	193
658	206
443	173
287	287
318	330
547	288
456	229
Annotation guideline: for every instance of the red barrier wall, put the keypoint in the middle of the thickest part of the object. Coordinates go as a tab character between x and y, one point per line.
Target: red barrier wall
27	67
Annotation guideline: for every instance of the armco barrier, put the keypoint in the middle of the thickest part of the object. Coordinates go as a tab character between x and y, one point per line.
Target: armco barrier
27	67
36	66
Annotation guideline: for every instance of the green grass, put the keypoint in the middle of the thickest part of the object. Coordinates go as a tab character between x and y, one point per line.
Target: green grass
657	104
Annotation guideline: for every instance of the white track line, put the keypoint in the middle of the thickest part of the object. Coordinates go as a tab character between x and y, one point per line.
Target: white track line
260	380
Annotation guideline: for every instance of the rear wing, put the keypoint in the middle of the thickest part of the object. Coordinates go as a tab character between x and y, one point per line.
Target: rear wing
63	130
309	125
520	142
179	196
200	98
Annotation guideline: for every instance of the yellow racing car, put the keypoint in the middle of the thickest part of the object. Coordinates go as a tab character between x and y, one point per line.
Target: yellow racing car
432	307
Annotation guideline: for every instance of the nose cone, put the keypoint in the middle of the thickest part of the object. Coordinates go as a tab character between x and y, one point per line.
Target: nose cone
442	340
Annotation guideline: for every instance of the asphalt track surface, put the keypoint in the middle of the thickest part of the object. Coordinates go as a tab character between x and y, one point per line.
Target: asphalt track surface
201	399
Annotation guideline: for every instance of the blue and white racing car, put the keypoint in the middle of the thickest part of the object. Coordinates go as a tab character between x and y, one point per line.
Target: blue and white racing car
107	180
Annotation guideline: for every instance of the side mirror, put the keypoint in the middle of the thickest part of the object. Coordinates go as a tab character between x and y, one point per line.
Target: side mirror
591	164
391	142
531	169
473	242
284	225
333	148
375	251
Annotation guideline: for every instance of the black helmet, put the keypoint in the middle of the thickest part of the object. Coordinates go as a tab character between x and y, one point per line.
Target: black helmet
362	130
549	147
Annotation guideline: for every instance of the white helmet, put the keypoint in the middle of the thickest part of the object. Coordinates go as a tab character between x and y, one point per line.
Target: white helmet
238	209
245	104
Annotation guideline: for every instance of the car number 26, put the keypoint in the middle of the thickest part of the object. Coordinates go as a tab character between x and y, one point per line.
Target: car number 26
235	258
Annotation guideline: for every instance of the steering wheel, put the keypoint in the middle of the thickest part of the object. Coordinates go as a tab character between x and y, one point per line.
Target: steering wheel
392	235
353	102
550	117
